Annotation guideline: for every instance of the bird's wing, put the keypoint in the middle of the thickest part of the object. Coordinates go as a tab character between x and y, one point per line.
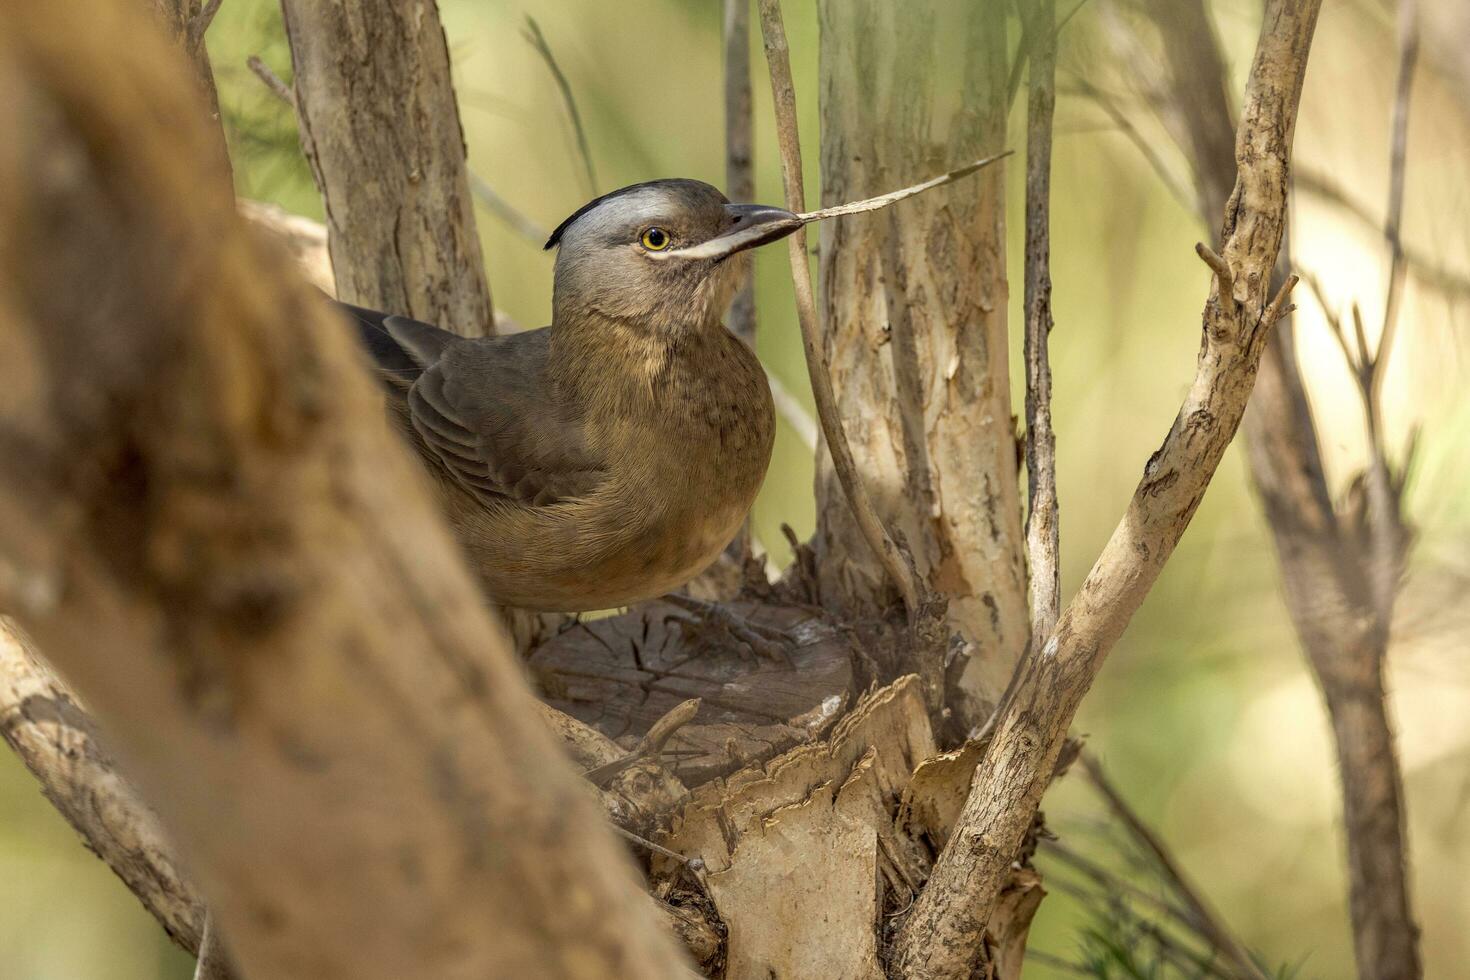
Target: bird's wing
483	409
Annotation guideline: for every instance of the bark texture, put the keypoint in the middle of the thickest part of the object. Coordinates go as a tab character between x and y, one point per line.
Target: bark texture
944	933
380	127
914	304
299	671
58	741
1332	577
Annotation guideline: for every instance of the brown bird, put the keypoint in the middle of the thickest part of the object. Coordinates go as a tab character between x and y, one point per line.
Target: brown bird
609	457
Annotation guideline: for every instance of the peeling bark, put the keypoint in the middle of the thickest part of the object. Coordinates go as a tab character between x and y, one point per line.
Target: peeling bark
914	303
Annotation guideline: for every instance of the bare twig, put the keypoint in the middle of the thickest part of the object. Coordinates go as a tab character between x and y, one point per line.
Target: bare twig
739	141
200	24
479	186
505	211
538	41
1042	529
1204	917
1393	228
1110	107
793	411
272	81
945	932
651	745
899	568
739	186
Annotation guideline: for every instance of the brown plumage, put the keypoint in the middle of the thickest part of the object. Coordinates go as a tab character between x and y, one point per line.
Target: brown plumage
608	457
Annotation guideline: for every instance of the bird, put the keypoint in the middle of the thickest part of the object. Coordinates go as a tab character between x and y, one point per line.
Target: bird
609	457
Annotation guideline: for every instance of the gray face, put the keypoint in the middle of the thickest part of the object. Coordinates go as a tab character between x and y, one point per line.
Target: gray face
668	255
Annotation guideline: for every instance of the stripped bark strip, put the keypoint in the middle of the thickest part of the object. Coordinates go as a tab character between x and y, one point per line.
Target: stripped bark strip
945	932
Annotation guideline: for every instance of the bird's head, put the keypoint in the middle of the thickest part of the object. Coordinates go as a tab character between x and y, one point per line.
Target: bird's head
666	255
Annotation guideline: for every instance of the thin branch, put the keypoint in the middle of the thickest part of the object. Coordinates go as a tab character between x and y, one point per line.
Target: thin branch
739	186
946	929
651	745
200	24
1204	916
789	408
479	186
505	211
538	41
1110	107
1426	269
272	81
1042	528
899	567
739	141
1393	228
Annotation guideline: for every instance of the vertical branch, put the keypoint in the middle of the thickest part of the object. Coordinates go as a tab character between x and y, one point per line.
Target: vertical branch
900	571
1042	530
381	131
739	142
946	929
568	100
1385	522
739	179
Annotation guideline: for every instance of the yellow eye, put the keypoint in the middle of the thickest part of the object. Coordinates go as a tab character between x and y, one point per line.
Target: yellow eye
655	239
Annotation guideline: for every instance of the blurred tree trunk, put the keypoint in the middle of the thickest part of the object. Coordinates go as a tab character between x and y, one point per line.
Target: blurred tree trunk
298	669
186	21
1326	574
380	127
914	304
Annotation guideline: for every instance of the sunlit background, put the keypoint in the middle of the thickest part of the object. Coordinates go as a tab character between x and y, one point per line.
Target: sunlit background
1205	715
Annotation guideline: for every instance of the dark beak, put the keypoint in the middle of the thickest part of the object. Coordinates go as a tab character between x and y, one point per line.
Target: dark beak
750	225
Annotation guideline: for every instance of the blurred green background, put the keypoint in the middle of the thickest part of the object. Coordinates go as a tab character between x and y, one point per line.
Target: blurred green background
1205	715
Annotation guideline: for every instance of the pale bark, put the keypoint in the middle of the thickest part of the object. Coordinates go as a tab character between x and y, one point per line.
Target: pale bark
945	931
380	128
914	304
1043	543
1338	593
58	741
298	670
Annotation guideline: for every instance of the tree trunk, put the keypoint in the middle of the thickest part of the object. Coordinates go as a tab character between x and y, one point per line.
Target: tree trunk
914	302
299	670
380	128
